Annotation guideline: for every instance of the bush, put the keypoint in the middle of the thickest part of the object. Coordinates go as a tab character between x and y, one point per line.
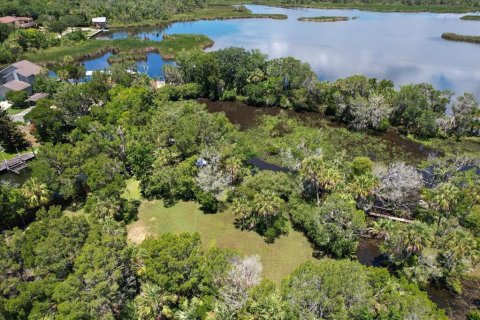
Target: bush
57	26
74	36
229	95
17	98
208	203
473	220
361	165
182	92
473	314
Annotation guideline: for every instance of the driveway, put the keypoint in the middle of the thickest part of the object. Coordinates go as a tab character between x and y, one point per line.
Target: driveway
19	117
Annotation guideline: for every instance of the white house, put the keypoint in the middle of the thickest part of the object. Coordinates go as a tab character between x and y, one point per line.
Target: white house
99	22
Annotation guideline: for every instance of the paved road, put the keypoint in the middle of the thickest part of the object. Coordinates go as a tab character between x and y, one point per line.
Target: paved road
20	116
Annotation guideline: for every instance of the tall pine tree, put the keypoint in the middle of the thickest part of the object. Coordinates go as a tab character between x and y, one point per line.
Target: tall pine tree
10	136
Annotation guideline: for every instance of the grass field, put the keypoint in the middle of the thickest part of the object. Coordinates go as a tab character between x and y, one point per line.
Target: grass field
92	48
6	156
279	258
132	191
14	111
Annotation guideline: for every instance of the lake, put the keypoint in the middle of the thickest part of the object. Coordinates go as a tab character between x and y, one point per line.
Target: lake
402	47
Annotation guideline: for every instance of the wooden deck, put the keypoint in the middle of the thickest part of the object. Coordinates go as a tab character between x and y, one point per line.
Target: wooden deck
93	34
16	164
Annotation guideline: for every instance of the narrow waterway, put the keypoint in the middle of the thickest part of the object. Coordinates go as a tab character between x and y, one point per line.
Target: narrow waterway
247	117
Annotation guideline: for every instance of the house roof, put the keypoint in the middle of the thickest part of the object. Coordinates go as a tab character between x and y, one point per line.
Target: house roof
16	85
7	19
37	96
10	19
99	20
27	68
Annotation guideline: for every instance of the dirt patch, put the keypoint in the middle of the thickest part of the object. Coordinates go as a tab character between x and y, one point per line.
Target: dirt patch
27	131
137	232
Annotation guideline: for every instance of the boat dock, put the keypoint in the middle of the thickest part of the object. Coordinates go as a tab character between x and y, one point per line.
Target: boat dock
16	164
93	34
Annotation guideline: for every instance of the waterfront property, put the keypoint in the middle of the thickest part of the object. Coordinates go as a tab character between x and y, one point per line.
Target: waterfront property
402	47
16	164
99	22
18	77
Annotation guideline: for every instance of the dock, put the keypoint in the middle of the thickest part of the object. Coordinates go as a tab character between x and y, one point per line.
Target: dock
93	34
17	164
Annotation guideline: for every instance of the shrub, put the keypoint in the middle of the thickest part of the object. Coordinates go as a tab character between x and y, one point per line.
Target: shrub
17	98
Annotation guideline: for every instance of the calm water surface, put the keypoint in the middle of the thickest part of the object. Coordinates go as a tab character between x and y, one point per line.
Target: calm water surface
403	47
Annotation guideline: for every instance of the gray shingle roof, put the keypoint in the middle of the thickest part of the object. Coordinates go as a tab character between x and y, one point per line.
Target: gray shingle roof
16	85
27	68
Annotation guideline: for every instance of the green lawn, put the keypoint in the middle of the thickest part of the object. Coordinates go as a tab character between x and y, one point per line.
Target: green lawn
132	191
6	155
14	111
279	258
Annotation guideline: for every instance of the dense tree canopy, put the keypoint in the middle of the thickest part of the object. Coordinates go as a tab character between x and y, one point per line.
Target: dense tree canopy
323	180
361	103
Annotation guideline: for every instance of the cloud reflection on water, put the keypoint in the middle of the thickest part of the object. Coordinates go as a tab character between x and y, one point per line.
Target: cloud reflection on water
402	47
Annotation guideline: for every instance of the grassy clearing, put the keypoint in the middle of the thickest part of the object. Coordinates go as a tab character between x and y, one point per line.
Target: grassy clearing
93	48
14	111
213	12
279	258
324	19
6	155
461	38
132	191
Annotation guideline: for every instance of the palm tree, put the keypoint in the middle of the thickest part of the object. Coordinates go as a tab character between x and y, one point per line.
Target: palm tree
190	310
443	200
36	193
382	229
310	169
363	185
106	208
233	166
330	179
416	237
152	303
459	250
242	209
267	205
322	176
